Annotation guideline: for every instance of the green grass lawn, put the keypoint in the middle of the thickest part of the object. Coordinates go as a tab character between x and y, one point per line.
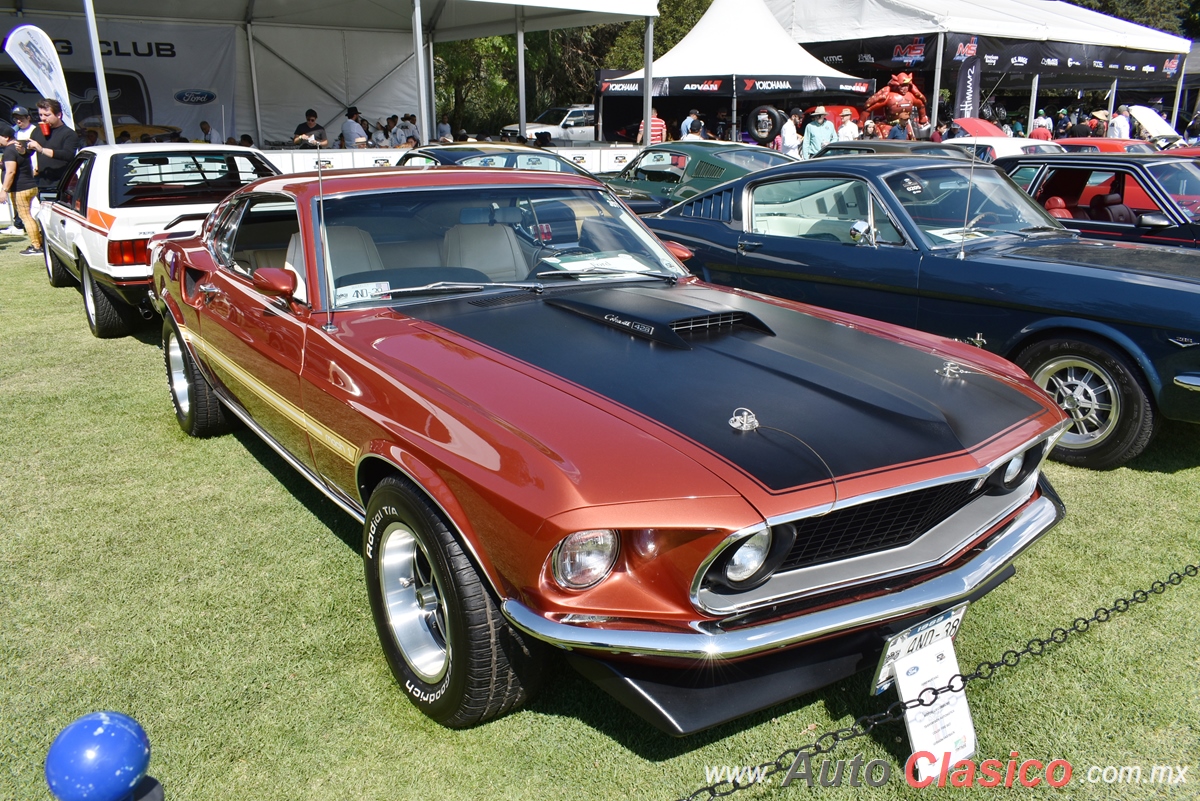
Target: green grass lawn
203	588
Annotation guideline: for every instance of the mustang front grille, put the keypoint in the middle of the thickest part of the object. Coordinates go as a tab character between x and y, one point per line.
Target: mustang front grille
874	526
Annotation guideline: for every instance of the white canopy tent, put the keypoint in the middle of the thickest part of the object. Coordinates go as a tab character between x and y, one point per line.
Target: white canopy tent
376	54
1030	21
768	53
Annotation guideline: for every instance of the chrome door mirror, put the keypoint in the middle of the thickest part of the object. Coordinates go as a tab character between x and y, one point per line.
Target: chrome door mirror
861	234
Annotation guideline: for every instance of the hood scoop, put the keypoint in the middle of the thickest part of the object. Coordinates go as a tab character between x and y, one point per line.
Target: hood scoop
650	316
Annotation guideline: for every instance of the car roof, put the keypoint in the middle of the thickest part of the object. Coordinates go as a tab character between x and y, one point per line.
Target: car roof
896	146
173	147
699	146
360	180
1100	156
868	165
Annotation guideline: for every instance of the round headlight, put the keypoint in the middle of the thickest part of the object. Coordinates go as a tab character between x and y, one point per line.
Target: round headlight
1013	469
749	557
585	557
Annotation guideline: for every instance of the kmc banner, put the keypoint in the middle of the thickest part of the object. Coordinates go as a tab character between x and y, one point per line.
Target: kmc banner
159	75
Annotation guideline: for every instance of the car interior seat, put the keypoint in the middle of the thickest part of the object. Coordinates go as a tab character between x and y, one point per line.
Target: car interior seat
294	264
556	221
1057	207
351	251
1109	208
484	240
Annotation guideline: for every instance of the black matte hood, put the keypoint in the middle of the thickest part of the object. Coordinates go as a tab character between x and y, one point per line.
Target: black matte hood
828	398
1157	260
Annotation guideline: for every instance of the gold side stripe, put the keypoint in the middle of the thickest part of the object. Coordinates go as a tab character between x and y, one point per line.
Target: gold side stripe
341	447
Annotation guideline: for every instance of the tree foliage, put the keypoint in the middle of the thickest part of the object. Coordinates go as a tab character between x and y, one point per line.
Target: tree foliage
476	79
1163	15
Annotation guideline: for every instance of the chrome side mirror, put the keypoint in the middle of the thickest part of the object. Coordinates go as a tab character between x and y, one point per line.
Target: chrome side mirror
1153	220
861	234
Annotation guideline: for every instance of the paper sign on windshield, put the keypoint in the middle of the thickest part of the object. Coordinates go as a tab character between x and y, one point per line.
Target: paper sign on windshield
357	292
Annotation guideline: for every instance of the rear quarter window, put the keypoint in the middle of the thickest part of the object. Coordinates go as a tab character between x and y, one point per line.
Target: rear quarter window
166	178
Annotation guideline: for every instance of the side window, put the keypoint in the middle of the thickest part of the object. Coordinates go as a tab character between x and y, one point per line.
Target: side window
418	160
1110	196
72	191
886	232
223	235
267	235
821	209
1023	176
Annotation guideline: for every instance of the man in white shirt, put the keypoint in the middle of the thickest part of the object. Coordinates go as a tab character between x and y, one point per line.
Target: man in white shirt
790	134
1120	128
848	131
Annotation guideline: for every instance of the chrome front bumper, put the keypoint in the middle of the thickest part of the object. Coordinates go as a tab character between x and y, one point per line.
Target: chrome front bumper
942	591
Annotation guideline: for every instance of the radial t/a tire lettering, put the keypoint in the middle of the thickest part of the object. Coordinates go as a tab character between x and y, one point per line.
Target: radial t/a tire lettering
197	409
1112	413
445	639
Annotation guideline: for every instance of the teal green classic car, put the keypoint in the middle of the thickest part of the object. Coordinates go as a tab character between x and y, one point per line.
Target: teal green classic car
676	171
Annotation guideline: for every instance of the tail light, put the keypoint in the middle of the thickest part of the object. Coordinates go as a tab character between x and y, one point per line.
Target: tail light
128	251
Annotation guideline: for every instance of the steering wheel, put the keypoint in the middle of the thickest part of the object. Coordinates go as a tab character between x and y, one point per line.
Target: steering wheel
983	215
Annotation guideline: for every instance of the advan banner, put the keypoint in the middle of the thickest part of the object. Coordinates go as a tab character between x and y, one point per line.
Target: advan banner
160	75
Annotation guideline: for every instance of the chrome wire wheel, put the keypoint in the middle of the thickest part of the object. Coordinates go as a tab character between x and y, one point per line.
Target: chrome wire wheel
414	603
1087	393
177	374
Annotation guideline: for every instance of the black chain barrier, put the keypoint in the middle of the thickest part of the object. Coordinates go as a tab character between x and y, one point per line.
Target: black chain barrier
864	725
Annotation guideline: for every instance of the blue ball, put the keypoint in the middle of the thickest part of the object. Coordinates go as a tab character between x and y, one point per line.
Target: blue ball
98	757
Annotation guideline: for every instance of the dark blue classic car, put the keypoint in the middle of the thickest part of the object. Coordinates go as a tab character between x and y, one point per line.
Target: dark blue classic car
1129	197
1112	331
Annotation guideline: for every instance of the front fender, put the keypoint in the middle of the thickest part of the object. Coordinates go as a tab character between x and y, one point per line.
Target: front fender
1060	324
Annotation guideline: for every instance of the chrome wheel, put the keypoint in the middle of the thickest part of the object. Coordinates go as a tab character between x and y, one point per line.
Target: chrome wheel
1087	393
177	374
414	603
89	296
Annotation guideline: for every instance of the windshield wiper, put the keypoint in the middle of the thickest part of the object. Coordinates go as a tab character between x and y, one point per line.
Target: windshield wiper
447	286
668	277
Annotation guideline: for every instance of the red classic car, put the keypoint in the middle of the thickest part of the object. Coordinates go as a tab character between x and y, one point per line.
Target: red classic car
556	438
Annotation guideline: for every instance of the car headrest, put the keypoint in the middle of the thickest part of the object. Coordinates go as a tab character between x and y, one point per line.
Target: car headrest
1056	203
1100	201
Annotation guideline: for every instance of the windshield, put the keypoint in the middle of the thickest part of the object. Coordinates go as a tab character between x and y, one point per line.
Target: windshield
1181	180
521	160
961	204
552	116
421	244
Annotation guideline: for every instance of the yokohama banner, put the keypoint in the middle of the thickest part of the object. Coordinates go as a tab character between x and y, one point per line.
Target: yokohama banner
159	74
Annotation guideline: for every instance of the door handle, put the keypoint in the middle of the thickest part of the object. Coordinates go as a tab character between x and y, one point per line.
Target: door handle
744	246
209	291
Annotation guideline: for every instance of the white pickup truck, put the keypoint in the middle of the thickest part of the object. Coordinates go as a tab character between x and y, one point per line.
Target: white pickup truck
570	123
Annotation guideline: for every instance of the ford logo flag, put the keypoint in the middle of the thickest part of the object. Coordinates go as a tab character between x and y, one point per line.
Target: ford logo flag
195	97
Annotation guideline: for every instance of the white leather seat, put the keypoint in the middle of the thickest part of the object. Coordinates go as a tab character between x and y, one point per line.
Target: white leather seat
294	264
492	249
351	250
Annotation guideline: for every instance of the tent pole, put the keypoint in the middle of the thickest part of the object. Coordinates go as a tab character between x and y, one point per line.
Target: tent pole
521	72
1112	101
1033	90
736	136
430	135
418	46
1178	92
937	83
647	80
254	86
101	84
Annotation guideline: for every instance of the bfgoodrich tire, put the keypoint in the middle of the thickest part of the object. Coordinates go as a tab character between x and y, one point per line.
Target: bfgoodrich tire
446	641
107	316
56	274
197	409
1113	416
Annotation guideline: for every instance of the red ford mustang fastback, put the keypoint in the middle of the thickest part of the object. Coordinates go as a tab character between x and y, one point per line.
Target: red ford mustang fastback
556	438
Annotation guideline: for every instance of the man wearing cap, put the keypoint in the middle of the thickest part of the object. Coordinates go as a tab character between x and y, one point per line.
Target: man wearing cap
819	133
23	129
686	127
1119	128
1041	120
20	187
405	128
848	131
789	134
54	149
352	131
